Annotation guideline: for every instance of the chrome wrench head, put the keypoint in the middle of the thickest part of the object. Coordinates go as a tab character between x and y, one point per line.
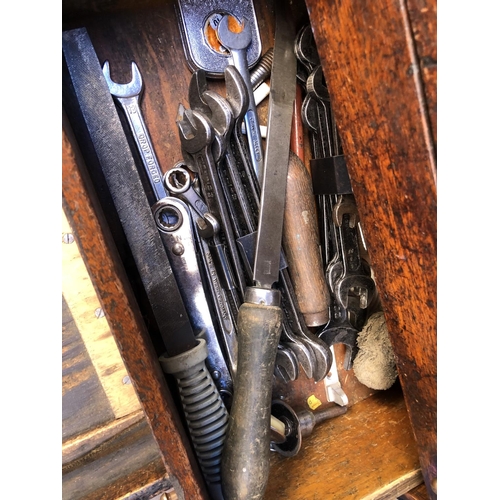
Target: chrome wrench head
286	366
215	108
195	131
232	40
236	94
221	119
178	181
124	90
315	85
198	85
305	48
309	113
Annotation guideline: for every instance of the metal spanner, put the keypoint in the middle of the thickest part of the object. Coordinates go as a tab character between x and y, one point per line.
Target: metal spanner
349	279
174	223
237	44
129	95
214	106
197	135
312	353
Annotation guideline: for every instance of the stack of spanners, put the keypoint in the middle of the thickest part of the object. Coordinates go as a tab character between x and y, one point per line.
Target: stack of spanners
207	209
344	255
241	191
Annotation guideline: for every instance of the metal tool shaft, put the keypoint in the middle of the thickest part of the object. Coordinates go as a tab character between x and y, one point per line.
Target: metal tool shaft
128	95
238	44
245	459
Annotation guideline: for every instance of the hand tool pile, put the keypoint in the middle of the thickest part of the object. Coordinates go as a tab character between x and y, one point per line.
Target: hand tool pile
220	213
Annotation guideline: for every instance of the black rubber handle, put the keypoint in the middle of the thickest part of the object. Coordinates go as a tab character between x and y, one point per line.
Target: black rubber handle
246	453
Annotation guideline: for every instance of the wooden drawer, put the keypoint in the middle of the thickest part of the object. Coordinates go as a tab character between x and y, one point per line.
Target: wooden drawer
382	79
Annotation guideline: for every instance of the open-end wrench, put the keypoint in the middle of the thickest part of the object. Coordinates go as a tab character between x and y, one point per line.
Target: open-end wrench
238	98
206	416
318	118
215	107
129	95
349	280
237	44
305	48
196	135
313	355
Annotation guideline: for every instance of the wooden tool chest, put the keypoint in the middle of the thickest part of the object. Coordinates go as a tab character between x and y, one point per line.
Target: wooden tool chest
379	61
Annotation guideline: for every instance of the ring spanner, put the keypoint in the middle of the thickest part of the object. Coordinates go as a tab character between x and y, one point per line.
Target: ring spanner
206	416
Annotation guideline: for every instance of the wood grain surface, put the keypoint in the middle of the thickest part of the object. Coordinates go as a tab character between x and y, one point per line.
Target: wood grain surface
84	402
93	329
368	55
116	468
302	247
368	453
422	20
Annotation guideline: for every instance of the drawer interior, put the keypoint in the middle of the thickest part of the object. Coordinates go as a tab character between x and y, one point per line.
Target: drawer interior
370	451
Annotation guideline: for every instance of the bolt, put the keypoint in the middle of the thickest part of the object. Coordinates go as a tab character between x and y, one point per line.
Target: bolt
68	238
126	380
263	69
99	313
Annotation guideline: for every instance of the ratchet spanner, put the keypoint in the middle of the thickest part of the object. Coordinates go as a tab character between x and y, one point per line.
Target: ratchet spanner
207	422
174	223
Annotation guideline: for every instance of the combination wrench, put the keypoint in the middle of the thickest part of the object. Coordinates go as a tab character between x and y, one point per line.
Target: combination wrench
178	181
204	409
174	224
238	44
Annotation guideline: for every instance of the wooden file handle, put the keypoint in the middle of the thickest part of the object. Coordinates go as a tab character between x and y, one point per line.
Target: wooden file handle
302	247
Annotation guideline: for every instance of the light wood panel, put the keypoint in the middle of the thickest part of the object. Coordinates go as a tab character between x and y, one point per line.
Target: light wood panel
93	327
369	453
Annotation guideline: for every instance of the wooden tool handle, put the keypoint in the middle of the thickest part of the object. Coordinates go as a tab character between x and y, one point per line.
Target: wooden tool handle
302	247
246	453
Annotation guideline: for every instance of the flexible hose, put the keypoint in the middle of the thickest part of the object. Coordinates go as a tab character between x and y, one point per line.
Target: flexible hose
205	412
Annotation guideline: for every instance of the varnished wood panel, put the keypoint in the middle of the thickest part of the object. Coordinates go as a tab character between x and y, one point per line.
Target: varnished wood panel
367	453
117	467
423	23
84	402
369	67
84	442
